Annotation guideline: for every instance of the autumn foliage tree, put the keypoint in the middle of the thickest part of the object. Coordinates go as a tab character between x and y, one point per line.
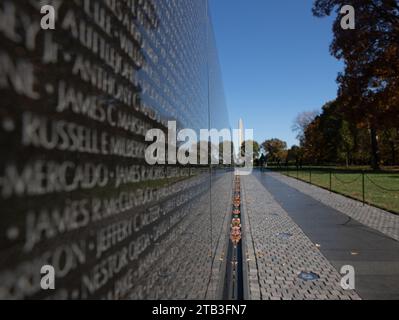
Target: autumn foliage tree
330	138
369	85
276	150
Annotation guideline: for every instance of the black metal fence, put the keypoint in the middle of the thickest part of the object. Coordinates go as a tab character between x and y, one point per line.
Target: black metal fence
379	189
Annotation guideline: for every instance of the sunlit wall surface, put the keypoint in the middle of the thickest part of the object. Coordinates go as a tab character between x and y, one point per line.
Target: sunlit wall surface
76	192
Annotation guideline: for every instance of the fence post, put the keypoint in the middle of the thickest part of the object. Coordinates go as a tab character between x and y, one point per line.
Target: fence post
297	173
330	180
363	188
310	175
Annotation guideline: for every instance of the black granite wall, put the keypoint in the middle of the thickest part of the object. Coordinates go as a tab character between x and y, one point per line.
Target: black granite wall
75	190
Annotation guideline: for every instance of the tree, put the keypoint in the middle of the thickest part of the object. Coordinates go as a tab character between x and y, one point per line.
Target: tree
329	138
302	121
276	150
369	85
347	142
255	149
262	160
389	145
295	154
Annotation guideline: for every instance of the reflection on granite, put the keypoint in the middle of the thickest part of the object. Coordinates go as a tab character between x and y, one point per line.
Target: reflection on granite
75	190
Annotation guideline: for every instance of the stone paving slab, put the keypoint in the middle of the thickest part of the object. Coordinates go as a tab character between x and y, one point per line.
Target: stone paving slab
275	259
375	218
342	240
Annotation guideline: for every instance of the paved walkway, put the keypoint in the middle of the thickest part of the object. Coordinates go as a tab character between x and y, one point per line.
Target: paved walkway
324	238
375	218
276	260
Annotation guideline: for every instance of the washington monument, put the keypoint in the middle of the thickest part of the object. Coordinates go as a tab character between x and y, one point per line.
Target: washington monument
241	138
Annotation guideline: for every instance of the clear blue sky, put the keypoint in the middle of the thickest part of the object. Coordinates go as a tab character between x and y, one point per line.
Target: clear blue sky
275	62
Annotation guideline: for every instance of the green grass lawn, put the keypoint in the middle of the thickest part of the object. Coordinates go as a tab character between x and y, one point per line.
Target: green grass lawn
381	189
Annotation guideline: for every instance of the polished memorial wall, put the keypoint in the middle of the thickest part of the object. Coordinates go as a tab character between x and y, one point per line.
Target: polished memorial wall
75	190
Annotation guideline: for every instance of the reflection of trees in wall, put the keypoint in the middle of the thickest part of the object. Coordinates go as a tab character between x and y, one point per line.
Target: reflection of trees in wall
255	149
